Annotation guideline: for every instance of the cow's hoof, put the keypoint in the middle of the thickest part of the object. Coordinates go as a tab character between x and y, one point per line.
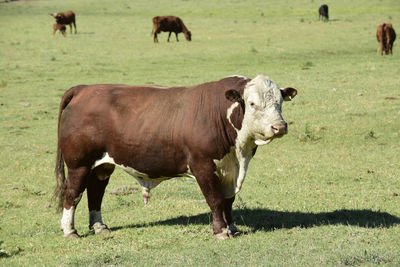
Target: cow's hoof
73	234
223	235
233	231
229	232
101	228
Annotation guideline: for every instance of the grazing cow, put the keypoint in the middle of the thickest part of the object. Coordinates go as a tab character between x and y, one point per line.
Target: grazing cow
170	24
323	12
385	35
65	18
209	132
59	27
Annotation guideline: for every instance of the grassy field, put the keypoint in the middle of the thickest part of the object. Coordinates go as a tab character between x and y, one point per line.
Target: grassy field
326	194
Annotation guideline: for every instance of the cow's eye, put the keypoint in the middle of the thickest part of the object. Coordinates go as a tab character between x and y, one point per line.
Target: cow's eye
252	104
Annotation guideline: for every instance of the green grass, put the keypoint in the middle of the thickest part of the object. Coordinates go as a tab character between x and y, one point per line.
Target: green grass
325	194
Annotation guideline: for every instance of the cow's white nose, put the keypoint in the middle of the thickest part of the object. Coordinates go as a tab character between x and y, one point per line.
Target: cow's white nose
279	129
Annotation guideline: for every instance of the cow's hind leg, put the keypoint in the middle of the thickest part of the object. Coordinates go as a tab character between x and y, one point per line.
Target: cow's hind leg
155	39
169	35
383	48
76	184
97	184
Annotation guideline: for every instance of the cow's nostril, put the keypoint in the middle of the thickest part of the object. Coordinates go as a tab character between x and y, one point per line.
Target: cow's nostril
279	129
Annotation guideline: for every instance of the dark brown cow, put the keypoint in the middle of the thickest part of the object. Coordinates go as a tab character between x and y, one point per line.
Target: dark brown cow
170	24
208	132
385	35
323	12
59	27
65	18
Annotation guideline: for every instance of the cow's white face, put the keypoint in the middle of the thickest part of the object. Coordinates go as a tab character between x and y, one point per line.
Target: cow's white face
263	119
263	101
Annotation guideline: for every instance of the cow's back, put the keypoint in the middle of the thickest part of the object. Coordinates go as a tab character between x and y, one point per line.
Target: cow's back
171	23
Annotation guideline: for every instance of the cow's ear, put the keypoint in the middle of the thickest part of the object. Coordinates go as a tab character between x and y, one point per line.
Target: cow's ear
234	96
288	93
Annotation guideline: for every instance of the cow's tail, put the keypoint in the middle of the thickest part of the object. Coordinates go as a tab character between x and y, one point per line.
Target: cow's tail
154	27
59	191
156	22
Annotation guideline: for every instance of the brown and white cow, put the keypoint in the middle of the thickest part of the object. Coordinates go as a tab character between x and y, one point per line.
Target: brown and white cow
385	35
208	131
65	18
169	24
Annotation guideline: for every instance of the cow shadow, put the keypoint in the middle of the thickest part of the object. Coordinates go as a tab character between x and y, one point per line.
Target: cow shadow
85	33
269	220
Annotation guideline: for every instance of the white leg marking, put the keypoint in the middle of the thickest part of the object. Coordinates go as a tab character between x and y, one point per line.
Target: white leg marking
67	221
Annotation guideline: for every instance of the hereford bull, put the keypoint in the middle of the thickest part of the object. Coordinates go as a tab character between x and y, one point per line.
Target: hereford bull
169	24
386	36
65	18
209	132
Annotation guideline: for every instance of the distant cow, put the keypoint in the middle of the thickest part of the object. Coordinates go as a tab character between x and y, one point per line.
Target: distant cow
170	24
65	18
59	27
208	132
323	12
385	35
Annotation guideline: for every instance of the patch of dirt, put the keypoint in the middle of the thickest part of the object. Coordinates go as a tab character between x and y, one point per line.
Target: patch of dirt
124	190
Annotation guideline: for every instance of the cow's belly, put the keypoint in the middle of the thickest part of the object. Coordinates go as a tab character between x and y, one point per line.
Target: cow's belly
146	181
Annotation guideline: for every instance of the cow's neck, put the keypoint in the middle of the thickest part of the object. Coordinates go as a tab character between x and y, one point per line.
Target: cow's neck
232	168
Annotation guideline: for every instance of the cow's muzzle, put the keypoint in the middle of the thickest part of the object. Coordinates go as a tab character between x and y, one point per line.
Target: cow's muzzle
279	129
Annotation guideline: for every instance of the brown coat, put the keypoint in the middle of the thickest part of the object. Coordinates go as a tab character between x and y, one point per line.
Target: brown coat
59	27
65	18
170	24
386	36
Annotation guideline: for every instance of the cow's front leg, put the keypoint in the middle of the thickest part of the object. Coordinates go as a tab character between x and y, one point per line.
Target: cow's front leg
227	212
210	186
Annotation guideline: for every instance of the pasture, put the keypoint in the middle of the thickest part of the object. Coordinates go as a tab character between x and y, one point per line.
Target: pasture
325	194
